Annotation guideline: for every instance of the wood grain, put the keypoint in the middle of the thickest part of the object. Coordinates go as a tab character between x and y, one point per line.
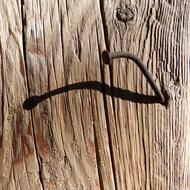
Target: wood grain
67	121
151	149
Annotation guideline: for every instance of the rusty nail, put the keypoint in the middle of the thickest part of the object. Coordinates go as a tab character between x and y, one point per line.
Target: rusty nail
108	57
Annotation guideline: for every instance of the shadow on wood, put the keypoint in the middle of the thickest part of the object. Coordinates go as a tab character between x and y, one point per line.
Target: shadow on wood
92	85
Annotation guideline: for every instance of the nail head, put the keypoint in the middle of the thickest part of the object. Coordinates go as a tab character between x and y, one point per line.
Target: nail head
106	57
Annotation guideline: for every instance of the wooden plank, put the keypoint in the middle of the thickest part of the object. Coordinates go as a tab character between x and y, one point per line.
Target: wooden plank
67	121
63	45
19	166
149	141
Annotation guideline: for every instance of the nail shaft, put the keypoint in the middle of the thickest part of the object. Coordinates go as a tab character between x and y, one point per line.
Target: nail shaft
108	57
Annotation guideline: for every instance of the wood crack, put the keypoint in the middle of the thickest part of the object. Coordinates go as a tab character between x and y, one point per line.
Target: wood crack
107	114
28	87
98	161
105	28
107	43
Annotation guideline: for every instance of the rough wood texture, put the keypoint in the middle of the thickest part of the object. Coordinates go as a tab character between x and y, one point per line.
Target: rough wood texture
93	126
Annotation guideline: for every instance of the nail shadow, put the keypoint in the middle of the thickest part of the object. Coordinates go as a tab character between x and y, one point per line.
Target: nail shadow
116	92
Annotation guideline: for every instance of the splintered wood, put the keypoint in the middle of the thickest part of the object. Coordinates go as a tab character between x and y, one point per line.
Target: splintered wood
67	121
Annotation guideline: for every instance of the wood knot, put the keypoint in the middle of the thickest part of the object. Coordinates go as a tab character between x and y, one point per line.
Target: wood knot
127	14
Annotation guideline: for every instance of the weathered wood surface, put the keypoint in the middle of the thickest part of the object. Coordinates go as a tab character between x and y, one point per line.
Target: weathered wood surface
91	127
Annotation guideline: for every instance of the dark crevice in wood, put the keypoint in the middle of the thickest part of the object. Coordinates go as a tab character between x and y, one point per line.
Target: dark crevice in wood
107	117
78	46
104	93
112	86
109	140
2	97
28	86
14	177
145	157
61	30
67	7
66	78
105	28
98	158
40	170
107	43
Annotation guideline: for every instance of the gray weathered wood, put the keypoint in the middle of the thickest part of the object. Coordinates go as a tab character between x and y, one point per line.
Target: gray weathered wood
93	125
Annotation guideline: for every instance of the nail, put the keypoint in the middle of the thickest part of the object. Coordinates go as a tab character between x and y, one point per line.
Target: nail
108	58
